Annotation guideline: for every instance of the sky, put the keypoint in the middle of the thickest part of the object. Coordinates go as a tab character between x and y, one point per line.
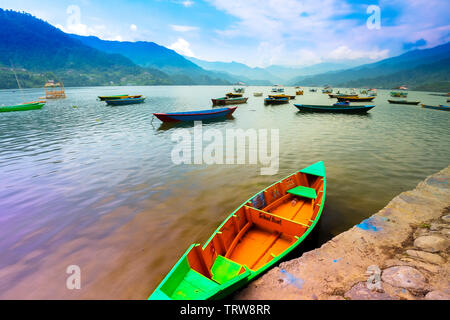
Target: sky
258	33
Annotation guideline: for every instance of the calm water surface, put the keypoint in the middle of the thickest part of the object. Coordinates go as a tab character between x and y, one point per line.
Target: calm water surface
95	186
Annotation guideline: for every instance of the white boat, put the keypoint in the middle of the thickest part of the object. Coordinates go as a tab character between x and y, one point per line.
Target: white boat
257	94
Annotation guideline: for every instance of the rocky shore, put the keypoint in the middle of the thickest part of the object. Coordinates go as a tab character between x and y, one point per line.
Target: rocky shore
401	252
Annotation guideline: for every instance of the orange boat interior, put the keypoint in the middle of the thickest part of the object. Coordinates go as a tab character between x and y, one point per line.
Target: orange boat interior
264	227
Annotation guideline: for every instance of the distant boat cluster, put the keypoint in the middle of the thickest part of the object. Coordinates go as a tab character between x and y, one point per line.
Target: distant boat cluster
276	96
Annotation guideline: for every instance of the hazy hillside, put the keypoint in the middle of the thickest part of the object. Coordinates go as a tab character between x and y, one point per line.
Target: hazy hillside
383	68
37	47
150	54
426	77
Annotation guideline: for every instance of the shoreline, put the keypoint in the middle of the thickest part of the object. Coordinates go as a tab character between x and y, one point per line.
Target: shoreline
405	244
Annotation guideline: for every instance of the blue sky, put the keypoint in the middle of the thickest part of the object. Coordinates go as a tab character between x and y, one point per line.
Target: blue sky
256	32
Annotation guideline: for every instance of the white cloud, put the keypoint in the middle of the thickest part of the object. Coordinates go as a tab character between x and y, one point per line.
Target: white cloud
182	47
180	28
345	53
133	27
187	3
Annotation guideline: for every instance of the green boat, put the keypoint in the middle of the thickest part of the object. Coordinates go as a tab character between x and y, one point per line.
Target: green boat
119	96
23	107
254	237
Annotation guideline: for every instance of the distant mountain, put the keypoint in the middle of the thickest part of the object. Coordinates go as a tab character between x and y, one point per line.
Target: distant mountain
426	77
37	46
237	69
274	74
406	61
150	54
288	73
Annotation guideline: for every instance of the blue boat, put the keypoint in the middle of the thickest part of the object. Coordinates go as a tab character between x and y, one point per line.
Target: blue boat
439	107
195	115
276	100
337	108
125	101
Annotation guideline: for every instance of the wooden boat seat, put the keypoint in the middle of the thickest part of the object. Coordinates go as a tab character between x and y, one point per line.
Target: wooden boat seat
224	269
302	191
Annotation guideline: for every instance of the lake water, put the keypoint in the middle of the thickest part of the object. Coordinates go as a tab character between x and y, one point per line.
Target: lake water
95	186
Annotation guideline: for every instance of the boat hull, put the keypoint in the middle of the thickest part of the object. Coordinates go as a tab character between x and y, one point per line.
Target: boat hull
195	115
125	101
404	102
441	107
22	107
234	95
281	96
276	101
228	101
119	96
356	99
334	109
268	235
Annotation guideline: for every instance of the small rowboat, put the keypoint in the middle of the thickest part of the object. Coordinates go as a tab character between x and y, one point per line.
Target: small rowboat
276	100
439	107
195	115
355	99
313	90
254	237
234	95
119	96
227	101
342	95
404	102
23	107
337	108
257	94
399	94
125	101
278	96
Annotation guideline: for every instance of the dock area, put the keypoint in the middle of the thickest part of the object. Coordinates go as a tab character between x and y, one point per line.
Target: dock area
399	253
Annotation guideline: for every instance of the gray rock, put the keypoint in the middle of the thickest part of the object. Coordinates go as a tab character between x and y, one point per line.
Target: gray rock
437	295
446	218
429	257
360	292
431	243
404	277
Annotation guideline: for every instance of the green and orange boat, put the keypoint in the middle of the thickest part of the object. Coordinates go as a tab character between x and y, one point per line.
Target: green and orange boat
254	237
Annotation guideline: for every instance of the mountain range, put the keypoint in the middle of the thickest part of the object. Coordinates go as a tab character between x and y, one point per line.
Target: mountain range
392	72
40	51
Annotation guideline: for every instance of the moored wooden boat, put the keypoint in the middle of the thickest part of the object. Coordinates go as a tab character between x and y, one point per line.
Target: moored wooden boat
399	94
336	108
226	101
342	95
276	100
439	107
254	237
119	96
404	102
355	99
278	96
23	107
195	115
125	101
234	95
